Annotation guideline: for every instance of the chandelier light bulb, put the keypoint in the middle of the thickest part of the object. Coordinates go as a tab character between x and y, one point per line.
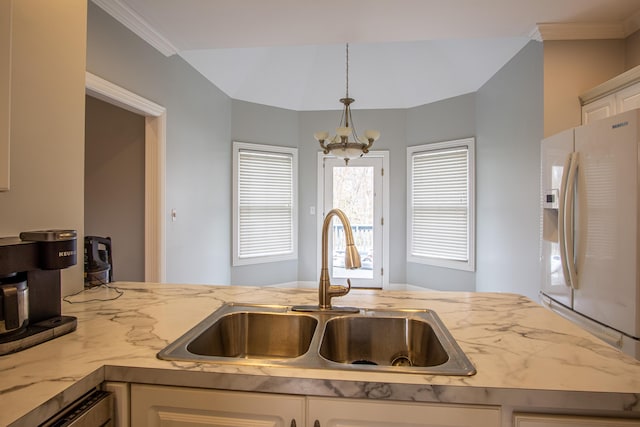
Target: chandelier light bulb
343	131
372	134
321	136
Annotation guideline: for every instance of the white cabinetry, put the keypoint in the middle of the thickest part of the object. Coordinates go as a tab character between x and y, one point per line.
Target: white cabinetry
160	406
334	412
628	98
541	420
599	109
5	90
164	406
615	96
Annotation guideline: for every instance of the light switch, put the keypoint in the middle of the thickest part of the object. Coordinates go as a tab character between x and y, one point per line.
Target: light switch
312	210
174	215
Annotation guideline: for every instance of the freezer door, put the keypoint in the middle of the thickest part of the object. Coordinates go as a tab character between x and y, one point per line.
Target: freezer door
607	222
555	151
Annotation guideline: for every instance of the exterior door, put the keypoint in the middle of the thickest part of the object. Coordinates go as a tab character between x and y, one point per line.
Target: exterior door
356	189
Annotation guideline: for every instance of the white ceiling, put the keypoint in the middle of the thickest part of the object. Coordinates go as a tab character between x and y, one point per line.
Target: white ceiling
403	53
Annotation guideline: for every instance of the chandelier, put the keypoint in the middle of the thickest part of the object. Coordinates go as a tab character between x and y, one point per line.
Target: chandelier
346	143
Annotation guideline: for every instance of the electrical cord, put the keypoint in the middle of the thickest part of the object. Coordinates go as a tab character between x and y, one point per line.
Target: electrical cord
119	292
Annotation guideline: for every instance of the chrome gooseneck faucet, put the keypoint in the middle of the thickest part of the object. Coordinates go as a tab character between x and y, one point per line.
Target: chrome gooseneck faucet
326	290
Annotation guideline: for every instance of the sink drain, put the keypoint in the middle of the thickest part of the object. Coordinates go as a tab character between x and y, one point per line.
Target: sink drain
401	360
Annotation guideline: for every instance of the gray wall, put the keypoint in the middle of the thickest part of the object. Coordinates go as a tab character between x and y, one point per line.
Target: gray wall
265	125
509	127
440	121
198	166
114	184
505	116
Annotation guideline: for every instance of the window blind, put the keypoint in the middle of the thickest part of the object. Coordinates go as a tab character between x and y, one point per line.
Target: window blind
440	204
265	204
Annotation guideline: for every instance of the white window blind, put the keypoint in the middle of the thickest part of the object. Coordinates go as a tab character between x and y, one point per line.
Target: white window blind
265	203
441	204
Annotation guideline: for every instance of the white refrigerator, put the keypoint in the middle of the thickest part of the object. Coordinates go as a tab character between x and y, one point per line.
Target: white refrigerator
590	217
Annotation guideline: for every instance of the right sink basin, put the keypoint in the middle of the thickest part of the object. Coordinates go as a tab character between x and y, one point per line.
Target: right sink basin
382	341
413	341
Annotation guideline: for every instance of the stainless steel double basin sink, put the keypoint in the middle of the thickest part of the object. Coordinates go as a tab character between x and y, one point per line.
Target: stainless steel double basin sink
402	341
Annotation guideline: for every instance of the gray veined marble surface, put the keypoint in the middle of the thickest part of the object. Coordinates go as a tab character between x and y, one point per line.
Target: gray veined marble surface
525	356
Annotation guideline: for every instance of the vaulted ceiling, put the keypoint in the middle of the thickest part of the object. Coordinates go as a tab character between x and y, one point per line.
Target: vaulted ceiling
402	53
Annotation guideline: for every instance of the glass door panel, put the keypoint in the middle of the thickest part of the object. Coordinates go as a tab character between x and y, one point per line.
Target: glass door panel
356	190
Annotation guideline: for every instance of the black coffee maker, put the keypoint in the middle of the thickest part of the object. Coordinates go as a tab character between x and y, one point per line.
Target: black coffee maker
30	289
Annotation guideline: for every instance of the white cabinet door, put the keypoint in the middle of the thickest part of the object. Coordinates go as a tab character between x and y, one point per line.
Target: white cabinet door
618	102
628	98
332	412
542	420
5	90
160	406
599	109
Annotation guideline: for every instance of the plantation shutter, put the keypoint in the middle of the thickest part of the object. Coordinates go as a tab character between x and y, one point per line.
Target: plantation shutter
265	204
440	204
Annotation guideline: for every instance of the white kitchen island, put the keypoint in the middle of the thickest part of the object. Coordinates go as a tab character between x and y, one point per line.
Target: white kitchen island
528	359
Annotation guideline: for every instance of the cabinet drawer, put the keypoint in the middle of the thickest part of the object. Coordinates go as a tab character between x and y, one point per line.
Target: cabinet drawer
331	412
543	420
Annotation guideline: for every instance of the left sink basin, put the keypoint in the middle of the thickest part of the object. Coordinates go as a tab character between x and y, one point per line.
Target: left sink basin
247	332
256	335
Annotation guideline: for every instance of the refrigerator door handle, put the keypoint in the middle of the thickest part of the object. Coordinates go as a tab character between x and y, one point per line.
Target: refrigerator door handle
567	236
561	219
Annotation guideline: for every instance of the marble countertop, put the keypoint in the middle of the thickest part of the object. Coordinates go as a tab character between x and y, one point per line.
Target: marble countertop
523	353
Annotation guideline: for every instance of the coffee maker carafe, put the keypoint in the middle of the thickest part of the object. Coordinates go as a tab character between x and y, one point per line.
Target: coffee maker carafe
30	288
14	303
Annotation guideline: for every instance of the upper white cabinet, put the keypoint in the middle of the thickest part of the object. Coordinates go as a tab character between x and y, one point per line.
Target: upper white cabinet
599	109
5	90
628	98
617	95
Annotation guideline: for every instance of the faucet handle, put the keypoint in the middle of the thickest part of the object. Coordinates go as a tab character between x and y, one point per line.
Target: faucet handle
338	290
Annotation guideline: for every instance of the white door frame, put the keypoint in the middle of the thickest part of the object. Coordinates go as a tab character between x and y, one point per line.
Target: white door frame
384	154
154	180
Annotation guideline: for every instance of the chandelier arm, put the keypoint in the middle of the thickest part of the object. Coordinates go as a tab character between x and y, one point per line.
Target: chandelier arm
325	150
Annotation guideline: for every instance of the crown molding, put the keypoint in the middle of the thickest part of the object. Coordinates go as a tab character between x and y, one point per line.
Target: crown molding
134	22
626	79
579	31
632	24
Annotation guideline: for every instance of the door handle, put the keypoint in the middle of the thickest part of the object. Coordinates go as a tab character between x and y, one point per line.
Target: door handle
565	220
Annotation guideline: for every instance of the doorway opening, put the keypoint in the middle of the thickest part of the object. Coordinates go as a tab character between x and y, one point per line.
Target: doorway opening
114	185
154	168
360	190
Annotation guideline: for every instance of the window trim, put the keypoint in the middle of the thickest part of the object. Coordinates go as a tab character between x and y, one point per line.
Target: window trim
268	149
468	265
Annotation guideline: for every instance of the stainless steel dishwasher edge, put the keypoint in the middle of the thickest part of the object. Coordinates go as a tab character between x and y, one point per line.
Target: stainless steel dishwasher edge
94	409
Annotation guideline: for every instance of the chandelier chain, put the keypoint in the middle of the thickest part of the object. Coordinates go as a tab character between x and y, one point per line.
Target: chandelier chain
347	60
